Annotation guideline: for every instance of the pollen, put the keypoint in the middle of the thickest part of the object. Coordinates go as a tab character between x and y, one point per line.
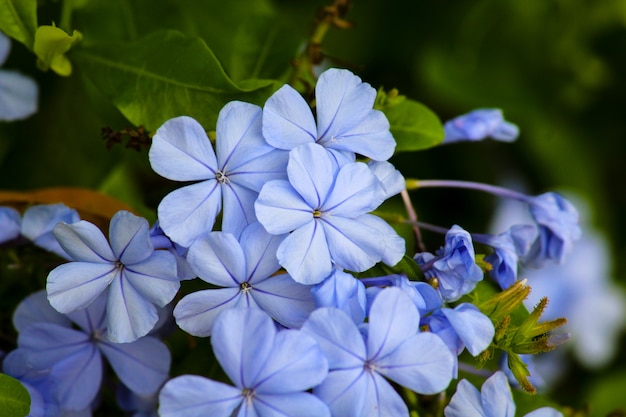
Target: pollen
317	213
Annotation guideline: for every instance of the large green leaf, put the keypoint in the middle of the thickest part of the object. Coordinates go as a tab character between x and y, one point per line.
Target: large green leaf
414	126
18	19
14	399
164	75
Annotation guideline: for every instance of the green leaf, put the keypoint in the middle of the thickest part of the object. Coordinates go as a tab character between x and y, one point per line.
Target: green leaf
164	75
51	44
18	19
14	398
414	126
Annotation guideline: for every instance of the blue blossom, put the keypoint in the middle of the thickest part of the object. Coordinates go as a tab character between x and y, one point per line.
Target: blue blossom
394	348
68	350
453	265
136	277
161	241
230	177
391	179
325	209
341	290
559	228
346	122
425	298
493	400
508	248
270	371
463	327
244	272
10	224
18	93
39	221
478	125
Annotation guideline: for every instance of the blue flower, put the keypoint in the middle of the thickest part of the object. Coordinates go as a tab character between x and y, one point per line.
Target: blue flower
70	357
230	177
391	179
559	229
478	125
454	265
39	221
346	122
18	93
10	224
394	348
244	270
270	371
493	400
424	296
136	277
508	248
325	209
341	290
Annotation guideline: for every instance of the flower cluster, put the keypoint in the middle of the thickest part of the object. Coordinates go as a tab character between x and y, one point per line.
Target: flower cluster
311	303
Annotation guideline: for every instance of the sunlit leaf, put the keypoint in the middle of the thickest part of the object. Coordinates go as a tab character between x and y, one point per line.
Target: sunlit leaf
18	19
164	75
14	399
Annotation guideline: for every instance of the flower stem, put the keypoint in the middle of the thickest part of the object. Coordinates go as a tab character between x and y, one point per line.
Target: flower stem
487	188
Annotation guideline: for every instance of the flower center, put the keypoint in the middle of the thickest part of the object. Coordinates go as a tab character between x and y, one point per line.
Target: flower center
247	394
221	177
317	213
245	287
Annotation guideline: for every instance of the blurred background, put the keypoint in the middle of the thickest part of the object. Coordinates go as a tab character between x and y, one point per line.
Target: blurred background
555	68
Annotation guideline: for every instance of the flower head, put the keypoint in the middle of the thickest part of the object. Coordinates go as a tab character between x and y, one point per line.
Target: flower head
270	371
346	122
136	277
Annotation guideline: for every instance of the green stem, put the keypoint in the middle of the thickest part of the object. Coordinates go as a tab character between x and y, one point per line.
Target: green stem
66	15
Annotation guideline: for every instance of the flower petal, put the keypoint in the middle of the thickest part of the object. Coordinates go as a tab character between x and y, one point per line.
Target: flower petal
129	237
356	191
496	396
300	404
312	172
142	365
77	378
473	328
10	223
83	241
129	315
352	244
395	246
338	337
344	392
181	151
218	259
259	248
304	254
39	221
286	301
36	309
75	285
465	402
287	119
242	340
381	399
47	344
195	396
280	209
18	96
238	208
238	134
188	212
196	312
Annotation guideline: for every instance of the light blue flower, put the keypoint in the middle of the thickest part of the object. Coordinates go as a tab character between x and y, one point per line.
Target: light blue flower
453	265
493	400
392	180
394	348
559	229
10	224
136	277
244	270
346	122
230	177
341	290
67	352
18	93
39	221
425	298
325	209
478	125
270	371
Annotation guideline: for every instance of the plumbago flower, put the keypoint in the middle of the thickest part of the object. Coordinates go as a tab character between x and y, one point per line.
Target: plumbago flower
244	269
230	177
18	93
393	348
10	224
493	400
38	223
453	265
67	351
270	370
325	208
136	277
478	125
346	122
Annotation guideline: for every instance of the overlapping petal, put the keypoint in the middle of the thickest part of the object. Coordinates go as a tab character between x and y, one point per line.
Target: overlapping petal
195	396
496	396
196	312
311	172
83	241
155	278
286	301
77	378
218	259
259	249
352	244
344	391
188	212
473	328
36	309
466	402
356	191
181	151
300	404
129	238
280	209
239	133
381	399
238	208
39	221
304	254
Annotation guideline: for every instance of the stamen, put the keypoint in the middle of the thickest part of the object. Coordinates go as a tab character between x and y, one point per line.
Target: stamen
221	178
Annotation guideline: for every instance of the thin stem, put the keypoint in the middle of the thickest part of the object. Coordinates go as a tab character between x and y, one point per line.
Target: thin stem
466	367
66	15
410	210
487	188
